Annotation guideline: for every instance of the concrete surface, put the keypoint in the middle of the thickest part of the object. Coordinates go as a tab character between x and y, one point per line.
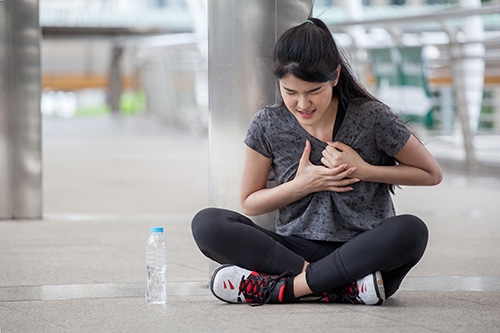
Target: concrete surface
106	182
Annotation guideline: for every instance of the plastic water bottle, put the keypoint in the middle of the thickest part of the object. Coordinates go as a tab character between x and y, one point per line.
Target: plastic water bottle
156	263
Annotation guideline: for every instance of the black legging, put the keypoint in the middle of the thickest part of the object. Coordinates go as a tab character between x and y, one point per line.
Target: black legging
393	248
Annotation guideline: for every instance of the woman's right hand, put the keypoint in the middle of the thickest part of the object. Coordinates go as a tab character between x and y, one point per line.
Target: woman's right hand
314	178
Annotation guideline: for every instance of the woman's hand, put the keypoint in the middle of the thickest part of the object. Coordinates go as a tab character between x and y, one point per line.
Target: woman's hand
256	198
338	153
416	164
331	177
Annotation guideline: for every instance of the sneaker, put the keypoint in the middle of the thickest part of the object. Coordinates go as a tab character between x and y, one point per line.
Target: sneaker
234	284
368	290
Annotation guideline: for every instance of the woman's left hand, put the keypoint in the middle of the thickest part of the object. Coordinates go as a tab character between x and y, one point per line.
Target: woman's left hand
338	153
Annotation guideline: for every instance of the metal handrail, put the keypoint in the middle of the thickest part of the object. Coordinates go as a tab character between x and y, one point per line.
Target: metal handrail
443	14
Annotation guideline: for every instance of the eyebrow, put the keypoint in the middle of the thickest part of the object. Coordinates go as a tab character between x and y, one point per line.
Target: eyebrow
309	91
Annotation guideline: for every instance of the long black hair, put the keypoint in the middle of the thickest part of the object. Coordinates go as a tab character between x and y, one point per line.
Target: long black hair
309	52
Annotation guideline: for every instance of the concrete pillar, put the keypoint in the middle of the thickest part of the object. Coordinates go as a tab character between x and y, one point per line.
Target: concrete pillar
5	165
20	119
241	40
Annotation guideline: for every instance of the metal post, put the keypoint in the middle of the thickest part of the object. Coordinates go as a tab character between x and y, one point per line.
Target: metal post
20	119
5	156
459	88
115	79
241	39
473	63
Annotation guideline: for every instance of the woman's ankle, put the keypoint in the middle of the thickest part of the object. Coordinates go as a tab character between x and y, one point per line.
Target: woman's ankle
300	286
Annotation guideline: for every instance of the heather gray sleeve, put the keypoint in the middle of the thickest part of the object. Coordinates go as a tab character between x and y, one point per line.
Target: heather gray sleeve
391	133
256	137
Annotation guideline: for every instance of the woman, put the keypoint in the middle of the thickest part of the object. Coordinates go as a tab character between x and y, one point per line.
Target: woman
336	153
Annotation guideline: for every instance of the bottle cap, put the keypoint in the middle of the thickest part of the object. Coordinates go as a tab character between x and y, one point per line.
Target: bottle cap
157	229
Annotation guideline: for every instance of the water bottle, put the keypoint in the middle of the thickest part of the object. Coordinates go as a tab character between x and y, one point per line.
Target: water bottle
156	263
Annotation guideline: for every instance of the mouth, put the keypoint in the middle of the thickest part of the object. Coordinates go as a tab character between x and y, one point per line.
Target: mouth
306	113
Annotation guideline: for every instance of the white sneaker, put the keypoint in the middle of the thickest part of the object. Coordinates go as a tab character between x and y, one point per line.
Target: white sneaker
234	284
368	290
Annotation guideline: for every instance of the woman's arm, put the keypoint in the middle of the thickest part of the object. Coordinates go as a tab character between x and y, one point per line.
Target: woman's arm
418	166
257	199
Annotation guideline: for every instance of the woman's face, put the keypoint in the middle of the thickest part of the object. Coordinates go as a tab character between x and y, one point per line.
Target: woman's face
310	102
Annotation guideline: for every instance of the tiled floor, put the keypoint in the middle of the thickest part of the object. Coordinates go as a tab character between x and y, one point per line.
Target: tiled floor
81	268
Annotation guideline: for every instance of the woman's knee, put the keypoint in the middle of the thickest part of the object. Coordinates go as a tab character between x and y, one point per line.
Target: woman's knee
204	223
411	232
203	217
214	225
415	226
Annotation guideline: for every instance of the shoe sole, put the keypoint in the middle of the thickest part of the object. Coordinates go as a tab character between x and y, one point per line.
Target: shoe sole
378	282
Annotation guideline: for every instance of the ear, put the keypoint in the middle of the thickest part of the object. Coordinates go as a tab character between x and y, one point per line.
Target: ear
336	80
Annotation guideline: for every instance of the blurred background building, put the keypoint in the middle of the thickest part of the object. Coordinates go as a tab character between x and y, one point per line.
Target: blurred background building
436	62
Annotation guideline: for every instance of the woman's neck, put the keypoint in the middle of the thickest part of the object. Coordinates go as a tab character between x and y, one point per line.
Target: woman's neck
323	130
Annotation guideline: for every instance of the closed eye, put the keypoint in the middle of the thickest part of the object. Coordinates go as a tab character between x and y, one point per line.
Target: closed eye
312	91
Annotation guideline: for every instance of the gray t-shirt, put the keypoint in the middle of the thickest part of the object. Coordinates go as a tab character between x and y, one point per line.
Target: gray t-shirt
371	129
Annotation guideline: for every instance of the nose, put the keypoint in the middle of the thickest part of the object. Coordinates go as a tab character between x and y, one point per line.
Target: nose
303	102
